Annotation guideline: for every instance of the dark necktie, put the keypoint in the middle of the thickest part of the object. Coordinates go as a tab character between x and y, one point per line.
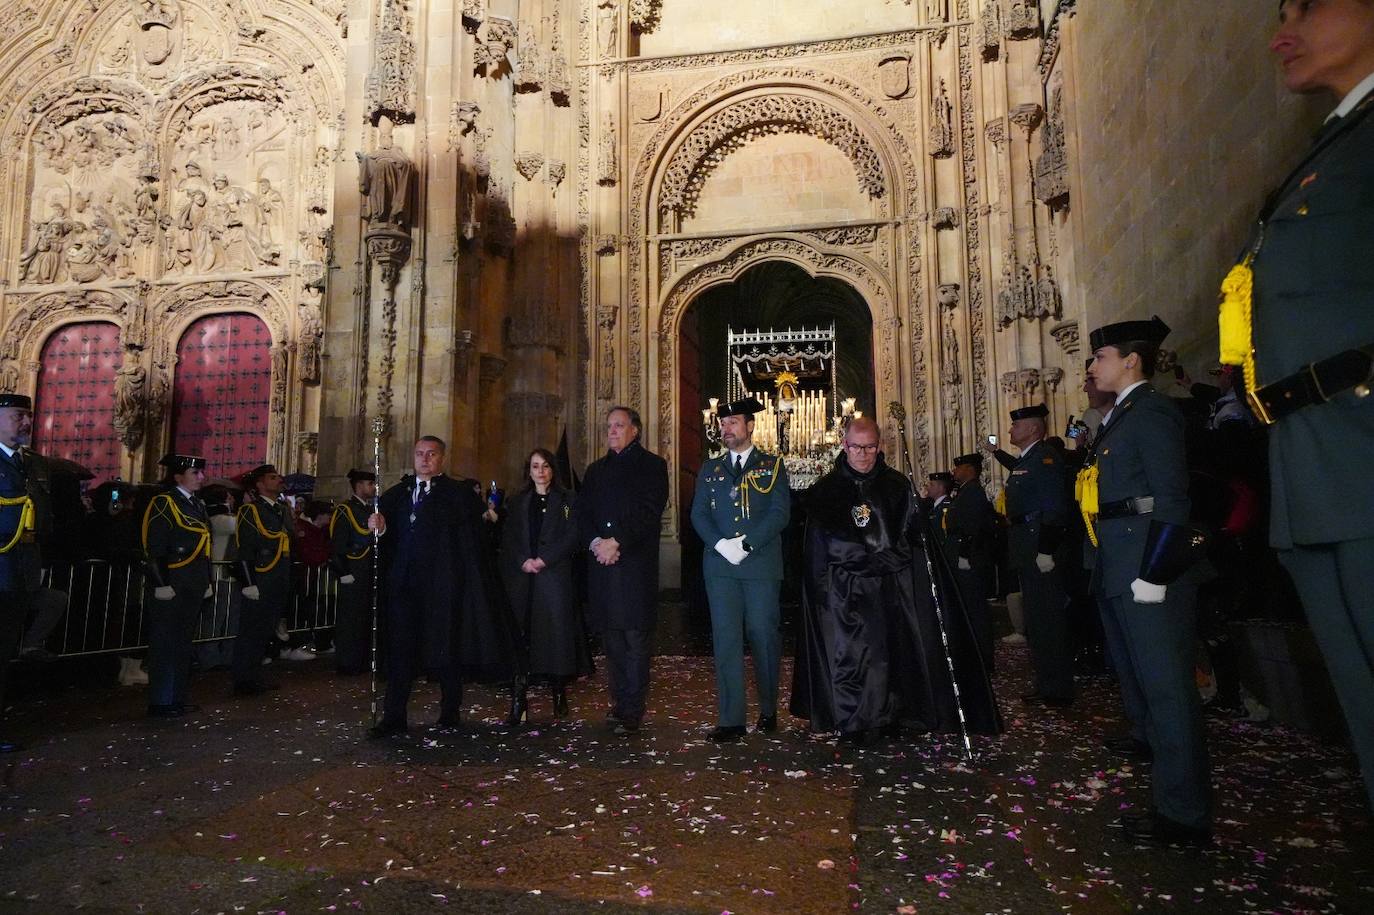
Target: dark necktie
1325	129
739	464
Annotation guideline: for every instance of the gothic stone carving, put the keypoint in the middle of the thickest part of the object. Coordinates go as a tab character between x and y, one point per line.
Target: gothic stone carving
607	244
492	52
608	162
462	120
605	382
940	143
894	75
1028	381
310	322
644	14
557	172
384	179
1023	19
608	28
734	126
945	218
1066	335
391	81
1053	379
474	12
529	70
947	296
990	30
1051	167
130	399
528	164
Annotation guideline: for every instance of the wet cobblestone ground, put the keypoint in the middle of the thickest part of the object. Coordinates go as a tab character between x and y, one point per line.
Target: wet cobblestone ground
280	805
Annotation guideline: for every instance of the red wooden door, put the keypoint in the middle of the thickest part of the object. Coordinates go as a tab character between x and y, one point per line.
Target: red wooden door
222	392
74	407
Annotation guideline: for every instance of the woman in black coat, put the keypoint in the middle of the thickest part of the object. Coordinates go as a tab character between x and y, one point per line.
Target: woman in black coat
538	542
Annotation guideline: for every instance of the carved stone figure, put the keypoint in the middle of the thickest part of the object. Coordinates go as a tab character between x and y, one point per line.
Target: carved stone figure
529	75
947	295
608	28
197	247
42	262
130	399
605	382
9	378
1051	166
949	345
279	378
941	140
270	204
990	30
894	73
608	144
385	175
239	246
308	342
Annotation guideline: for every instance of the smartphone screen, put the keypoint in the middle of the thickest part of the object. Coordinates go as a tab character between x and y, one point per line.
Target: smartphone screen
992	440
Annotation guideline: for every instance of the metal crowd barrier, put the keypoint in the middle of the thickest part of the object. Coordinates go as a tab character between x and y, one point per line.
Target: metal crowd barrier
101	606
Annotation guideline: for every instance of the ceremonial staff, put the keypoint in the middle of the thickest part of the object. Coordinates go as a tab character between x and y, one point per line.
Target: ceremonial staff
378	425
898	414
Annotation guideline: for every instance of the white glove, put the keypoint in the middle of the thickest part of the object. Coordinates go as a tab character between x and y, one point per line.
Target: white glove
209	592
346	579
965	565
732	549
1044	562
251	592
164	592
1146	593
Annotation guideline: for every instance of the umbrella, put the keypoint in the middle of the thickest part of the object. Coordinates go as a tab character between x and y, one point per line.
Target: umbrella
298	484
227	484
65	467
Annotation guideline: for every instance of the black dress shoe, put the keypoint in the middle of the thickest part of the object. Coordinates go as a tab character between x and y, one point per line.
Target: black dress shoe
1032	697
385	728
626	728
165	711
768	724
447	724
1160	830
10	746
855	738
188	708
1129	747
727	733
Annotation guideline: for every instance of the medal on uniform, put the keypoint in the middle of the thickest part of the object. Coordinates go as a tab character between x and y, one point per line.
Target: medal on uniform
862	514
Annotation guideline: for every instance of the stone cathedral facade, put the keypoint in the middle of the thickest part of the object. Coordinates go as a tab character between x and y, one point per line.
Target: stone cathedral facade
486	219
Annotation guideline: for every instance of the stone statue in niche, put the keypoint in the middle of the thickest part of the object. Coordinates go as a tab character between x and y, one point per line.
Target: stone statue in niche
949	363
385	176
1051	166
990	30
279	378
529	74
941	137
130	399
9	378
308	341
608	28
605	382
608	164
197	247
269	205
937	11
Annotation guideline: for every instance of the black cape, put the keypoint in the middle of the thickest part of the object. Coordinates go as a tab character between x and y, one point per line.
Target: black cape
869	651
446	553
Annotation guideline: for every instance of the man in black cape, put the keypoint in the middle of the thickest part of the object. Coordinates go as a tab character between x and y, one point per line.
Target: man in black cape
445	608
869	652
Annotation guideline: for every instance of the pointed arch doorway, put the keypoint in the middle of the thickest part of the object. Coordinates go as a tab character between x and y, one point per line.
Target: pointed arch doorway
769	295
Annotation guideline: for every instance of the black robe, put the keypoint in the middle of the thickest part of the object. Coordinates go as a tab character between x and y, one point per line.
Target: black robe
869	650
446	554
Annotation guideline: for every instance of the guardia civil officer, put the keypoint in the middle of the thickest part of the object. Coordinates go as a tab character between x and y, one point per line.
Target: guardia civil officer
1039	509
351	561
1141	495
1313	347
741	506
262	544
176	569
970	530
25	515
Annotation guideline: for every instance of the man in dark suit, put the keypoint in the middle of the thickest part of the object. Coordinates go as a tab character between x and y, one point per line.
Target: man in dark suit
176	568
740	508
969	532
446	611
25	515
1313	343
1038	510
1141	474
351	560
619	514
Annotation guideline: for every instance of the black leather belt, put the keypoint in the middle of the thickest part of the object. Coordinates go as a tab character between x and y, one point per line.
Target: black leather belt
1125	508
1316	383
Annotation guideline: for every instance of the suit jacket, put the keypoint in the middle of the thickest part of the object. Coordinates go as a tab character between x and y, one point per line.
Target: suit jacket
1036	487
1313	298
25	475
1140	452
719	511
623	496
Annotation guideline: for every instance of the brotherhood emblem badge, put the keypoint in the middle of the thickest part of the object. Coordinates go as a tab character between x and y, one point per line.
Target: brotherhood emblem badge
862	514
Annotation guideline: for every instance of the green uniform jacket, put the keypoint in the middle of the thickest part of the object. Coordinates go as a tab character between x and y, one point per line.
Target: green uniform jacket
970	526
263	541
1314	298
20	562
1139	453
720	512
350	542
1038	504
176	541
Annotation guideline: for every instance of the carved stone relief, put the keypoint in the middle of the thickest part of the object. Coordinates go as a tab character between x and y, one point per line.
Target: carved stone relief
529	164
894	73
1051	166
945	218
608	157
608	28
391	81
940	142
1066	335
530	67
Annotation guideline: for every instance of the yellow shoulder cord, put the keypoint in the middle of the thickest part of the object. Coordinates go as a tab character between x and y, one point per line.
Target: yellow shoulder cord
282	537
999	504
181	521
1085	492
346	509
26	520
1236	319
751	481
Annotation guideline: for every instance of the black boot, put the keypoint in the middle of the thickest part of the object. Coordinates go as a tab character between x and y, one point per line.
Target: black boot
560	700
519	705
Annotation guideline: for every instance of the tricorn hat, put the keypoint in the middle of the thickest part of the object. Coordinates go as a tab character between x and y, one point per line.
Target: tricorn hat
18	401
746	407
180	463
1151	331
974	459
1038	411
361	476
